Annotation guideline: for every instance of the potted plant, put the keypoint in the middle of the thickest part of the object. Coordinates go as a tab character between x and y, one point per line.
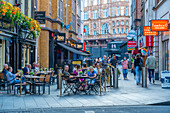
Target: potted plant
80	73
31	73
41	69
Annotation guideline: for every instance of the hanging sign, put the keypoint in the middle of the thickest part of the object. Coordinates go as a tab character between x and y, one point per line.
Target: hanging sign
149	41
131	43
147	31
159	25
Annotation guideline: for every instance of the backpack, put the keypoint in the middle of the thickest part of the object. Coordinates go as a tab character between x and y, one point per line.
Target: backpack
140	64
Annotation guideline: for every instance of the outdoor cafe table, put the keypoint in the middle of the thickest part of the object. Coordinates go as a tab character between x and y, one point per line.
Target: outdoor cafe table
79	83
32	78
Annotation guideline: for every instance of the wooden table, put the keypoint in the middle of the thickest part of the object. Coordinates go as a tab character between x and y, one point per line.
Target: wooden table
32	79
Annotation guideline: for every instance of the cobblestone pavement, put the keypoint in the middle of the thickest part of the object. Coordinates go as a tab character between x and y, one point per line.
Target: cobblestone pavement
128	93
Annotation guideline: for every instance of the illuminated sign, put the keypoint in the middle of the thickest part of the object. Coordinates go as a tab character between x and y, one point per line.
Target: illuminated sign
60	37
147	31
159	25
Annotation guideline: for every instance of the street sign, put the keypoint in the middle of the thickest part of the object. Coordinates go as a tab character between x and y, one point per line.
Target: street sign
131	44
149	41
40	16
159	25
165	79
147	31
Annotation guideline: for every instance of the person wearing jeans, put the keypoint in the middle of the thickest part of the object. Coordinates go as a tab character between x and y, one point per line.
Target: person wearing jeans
151	65
138	65
125	68
138	75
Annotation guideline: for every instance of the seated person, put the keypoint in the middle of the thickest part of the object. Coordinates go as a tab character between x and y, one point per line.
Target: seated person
12	78
77	70
98	69
4	71
26	70
84	69
66	73
92	75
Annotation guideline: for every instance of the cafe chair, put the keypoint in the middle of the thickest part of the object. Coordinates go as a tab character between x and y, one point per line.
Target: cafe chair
43	83
2	81
53	78
69	86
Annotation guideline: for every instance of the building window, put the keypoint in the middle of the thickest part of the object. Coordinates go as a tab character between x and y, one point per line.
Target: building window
122	10
94	26
122	22
85	15
94	2
85	3
114	31
113	0
104	13
117	23
126	11
127	23
122	30
113	24
73	22
117	30
95	14
86	30
105	28
104	1
73	5
50	7
60	9
117	11
126	30
113	11
95	32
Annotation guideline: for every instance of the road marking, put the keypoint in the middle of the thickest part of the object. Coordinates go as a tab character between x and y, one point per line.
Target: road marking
89	112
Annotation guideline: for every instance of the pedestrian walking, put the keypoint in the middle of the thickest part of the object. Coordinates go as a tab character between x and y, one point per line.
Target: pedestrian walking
138	66
151	65
125	68
113	61
133	67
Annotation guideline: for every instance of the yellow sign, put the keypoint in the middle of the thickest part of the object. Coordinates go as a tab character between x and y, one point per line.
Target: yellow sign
76	62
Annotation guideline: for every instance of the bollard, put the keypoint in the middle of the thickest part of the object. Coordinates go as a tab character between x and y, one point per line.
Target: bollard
111	73
115	78
144	77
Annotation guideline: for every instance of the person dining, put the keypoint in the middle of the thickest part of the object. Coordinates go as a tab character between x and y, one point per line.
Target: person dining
66	73
77	70
98	69
92	75
26	70
14	80
4	71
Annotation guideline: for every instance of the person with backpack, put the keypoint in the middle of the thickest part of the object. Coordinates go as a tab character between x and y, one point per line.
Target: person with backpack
138	66
151	65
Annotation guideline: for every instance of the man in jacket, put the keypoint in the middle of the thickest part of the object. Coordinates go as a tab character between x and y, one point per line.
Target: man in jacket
151	65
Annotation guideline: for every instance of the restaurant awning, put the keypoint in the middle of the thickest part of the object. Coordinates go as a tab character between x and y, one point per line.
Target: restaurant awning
73	50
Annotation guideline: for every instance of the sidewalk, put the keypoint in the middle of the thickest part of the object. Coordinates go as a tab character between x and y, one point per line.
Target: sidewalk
128	93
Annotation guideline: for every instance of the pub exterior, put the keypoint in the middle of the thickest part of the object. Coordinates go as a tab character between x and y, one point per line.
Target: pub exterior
17	37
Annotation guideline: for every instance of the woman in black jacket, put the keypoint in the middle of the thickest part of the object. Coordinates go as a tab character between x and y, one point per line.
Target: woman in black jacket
138	66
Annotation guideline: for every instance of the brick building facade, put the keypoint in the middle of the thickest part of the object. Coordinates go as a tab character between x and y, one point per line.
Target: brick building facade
59	14
105	21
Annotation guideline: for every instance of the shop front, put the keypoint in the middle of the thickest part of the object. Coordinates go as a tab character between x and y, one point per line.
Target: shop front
61	53
165	51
